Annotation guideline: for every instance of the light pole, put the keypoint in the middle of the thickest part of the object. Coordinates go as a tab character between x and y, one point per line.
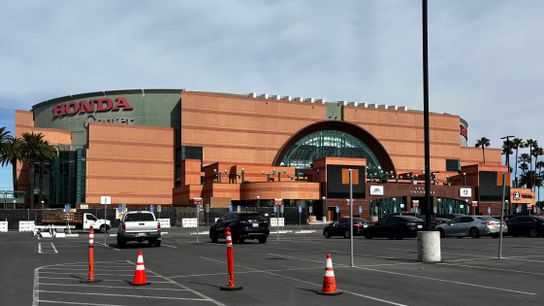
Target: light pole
394	205
42	202
468	207
258	206
439	200
324	204
464	178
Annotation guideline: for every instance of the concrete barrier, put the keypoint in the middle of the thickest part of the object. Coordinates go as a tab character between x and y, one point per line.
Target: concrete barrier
3	226
188	223
165	222
428	246
274	222
26	226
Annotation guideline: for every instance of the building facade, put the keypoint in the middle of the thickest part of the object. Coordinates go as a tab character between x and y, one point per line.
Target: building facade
169	147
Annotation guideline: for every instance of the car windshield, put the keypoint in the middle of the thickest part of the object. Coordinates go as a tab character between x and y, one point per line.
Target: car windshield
139	217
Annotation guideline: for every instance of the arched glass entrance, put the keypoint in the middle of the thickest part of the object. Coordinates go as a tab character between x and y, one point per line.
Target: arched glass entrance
328	143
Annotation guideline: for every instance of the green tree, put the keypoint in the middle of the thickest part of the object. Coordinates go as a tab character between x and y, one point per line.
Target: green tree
539	166
507	147
34	149
4	138
517	143
482	143
531	144
11	154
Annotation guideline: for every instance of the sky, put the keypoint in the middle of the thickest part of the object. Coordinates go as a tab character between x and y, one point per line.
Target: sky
485	57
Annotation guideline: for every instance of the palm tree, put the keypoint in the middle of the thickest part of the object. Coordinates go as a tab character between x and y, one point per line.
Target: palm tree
507	147
540	177
531	144
517	143
34	149
527	179
483	143
4	137
536	152
11	154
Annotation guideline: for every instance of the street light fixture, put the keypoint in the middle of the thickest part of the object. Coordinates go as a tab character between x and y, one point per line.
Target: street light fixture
464	178
42	202
258	206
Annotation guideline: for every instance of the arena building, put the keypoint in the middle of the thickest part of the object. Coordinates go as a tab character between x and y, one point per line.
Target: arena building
173	146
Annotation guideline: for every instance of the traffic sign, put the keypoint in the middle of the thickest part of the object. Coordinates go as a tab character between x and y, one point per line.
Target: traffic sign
197	201
67	208
278	201
299	209
474	203
415	203
105	200
152	208
158	208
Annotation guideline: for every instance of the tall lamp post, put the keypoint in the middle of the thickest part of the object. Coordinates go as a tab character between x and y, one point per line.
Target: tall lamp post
324	218
258	206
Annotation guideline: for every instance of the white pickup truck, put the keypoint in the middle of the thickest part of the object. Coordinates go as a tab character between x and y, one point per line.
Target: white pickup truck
139	226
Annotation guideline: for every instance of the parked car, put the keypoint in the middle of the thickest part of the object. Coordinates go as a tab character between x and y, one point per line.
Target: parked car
341	228
532	226
471	226
395	227
243	225
139	226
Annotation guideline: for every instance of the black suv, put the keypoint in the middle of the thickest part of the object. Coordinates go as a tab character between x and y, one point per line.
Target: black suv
243	225
395	227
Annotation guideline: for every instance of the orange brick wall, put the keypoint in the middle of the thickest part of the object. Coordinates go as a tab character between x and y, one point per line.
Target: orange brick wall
132	164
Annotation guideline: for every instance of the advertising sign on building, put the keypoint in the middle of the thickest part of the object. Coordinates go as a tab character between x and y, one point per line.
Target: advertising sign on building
465	192
376	190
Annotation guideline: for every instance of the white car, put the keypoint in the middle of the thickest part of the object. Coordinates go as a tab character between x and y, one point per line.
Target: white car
471	226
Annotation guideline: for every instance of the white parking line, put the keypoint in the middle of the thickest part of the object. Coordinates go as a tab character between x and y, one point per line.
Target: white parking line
77	303
107	246
448	281
123	295
244	272
54	248
492	269
310	283
205	298
170	246
111	287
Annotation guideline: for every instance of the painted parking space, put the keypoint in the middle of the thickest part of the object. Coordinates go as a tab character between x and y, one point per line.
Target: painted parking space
60	284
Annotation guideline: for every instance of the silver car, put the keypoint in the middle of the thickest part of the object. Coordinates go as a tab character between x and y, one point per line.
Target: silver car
473	226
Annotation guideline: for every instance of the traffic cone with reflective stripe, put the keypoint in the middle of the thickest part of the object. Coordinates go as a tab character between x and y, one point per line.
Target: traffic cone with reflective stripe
139	276
329	282
230	263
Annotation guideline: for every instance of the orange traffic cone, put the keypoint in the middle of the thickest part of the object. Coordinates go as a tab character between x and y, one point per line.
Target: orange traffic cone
139	276
329	282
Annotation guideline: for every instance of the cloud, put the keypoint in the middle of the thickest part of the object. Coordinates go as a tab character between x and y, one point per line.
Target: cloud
485	56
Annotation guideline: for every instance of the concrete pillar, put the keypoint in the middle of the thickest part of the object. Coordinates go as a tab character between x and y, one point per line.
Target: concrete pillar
428	246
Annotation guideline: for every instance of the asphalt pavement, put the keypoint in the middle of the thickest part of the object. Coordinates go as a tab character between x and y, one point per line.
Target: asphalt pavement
288	271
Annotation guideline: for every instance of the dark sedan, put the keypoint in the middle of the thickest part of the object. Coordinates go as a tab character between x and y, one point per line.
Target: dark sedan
532	226
395	227
243	225
341	228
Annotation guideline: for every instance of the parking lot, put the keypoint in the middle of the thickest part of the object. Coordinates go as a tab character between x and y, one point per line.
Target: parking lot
287	271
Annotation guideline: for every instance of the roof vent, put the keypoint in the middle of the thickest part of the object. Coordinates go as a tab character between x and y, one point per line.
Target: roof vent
299	99
311	100
275	97
253	95
287	98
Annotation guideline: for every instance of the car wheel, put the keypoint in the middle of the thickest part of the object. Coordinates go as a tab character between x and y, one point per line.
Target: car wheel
533	233
346	234
121	243
213	237
474	233
103	229
262	239
494	235
327	234
158	243
241	240
442	233
368	236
